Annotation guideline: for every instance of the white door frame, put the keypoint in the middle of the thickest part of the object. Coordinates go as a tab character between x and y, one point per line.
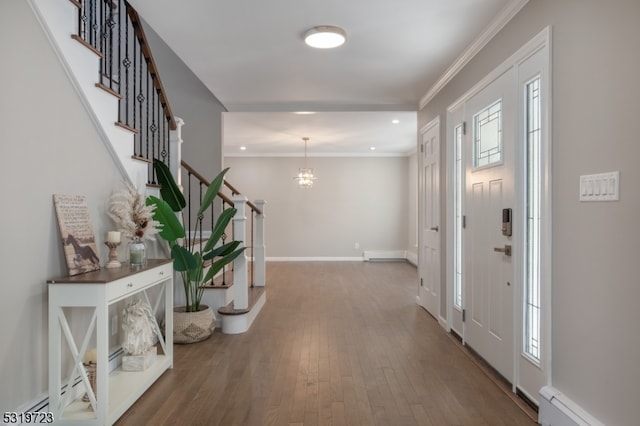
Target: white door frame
542	41
433	125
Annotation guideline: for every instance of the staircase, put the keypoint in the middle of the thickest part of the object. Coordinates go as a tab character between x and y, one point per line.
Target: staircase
237	294
103	48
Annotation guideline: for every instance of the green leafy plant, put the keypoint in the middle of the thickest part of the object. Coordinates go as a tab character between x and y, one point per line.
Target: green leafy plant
189	262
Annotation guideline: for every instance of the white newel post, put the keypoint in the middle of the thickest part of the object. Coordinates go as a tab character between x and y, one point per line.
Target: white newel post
259	250
240	281
175	151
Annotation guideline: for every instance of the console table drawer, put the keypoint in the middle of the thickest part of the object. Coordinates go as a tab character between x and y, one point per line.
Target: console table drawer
134	283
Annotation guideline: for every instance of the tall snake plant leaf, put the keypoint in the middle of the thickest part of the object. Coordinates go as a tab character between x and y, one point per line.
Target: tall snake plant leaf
212	191
195	273
219	264
171	228
183	259
223	250
219	228
169	189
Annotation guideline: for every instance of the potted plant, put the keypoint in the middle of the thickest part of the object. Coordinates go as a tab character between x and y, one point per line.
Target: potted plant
187	260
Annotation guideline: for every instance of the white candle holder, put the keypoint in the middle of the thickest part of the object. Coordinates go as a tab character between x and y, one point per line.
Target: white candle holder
113	255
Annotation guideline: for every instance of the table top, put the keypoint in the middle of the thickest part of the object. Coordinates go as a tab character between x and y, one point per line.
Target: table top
106	275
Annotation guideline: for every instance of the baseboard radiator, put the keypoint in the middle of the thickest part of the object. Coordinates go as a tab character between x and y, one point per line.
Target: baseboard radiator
558	410
383	255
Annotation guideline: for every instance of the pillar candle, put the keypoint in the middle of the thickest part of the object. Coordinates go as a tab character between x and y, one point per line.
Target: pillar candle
113	237
90	356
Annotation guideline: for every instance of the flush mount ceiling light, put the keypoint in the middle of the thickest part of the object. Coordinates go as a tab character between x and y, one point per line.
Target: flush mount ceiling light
325	37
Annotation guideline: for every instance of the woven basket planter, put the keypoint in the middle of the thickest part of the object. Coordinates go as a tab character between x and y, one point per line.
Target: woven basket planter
191	327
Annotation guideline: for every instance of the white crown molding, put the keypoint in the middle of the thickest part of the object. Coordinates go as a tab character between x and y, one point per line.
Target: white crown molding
317	107
408	153
505	15
435	122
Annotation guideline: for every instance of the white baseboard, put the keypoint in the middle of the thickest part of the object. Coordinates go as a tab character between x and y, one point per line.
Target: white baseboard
314	259
367	255
558	410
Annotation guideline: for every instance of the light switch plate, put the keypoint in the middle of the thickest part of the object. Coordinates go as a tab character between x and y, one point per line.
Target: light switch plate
600	187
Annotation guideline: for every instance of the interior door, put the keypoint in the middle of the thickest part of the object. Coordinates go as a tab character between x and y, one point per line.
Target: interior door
489	288
430	221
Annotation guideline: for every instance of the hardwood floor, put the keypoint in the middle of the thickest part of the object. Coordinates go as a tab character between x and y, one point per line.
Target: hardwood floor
337	343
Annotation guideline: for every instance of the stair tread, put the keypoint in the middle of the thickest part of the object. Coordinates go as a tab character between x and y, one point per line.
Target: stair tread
254	295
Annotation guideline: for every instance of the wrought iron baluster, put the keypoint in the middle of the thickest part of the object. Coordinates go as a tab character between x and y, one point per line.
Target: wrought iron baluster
199	219
82	21
109	26
224	238
188	236
152	128
93	26
140	99
126	62
146	128
119	41
133	106
96	33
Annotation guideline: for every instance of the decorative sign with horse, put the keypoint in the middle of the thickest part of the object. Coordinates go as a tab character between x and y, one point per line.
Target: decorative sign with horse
78	240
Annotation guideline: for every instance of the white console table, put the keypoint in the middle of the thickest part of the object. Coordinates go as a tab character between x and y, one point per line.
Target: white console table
117	390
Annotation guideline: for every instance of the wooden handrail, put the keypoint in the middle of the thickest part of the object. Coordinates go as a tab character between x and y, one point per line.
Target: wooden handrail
151	64
234	191
204	181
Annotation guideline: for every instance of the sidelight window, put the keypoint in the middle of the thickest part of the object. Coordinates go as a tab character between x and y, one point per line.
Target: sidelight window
533	221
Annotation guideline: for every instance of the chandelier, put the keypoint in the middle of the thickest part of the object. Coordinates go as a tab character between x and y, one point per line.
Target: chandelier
305	175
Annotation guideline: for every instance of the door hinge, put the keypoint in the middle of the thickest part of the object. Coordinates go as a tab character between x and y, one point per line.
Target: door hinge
421	147
464	127
421	282
464	315
464	221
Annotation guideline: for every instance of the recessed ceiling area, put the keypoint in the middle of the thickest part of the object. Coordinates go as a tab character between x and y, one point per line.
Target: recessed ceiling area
330	133
251	55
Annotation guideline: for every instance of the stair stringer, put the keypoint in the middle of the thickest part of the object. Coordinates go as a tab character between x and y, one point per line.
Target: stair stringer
59	22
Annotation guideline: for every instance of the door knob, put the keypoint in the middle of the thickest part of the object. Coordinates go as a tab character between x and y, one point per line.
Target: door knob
434	228
506	249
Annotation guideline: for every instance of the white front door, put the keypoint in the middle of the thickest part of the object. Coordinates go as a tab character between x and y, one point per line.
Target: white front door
430	220
489	191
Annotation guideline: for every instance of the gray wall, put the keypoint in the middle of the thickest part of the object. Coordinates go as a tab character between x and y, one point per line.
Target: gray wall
412	198
595	339
49	145
195	104
363	200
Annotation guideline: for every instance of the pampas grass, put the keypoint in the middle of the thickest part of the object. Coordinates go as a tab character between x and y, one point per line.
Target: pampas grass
132	216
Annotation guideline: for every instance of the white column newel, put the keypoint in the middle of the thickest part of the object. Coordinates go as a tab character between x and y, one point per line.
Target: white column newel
240	275
175	151
259	250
